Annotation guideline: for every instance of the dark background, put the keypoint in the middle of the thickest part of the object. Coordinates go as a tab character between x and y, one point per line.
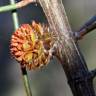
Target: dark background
51	80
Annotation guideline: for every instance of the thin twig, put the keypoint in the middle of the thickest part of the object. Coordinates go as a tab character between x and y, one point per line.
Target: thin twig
23	70
24	3
86	28
16	6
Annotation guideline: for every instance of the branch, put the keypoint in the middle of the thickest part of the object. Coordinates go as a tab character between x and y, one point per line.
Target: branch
69	54
24	3
23	70
16	6
86	28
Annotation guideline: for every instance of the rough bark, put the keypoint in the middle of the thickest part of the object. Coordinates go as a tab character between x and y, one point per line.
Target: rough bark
79	78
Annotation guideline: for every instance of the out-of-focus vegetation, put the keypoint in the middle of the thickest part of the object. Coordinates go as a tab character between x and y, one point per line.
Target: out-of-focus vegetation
51	80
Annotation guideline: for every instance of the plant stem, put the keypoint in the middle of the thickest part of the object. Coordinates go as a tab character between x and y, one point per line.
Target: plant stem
24	71
14	15
14	6
8	8
26	82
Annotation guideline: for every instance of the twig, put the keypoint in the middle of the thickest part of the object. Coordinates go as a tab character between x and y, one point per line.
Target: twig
86	28
24	71
24	3
16	6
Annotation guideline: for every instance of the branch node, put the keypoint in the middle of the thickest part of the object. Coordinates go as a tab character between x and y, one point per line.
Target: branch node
93	73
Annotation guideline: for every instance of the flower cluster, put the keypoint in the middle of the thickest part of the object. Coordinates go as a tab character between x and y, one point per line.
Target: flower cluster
30	45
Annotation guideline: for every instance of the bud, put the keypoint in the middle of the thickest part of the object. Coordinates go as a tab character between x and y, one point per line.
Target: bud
30	45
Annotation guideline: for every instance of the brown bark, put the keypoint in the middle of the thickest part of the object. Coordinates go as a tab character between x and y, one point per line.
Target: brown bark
79	78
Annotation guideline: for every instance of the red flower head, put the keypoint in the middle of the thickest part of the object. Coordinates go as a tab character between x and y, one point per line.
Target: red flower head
30	45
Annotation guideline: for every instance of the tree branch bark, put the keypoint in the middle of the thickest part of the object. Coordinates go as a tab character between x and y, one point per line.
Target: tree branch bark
86	28
79	78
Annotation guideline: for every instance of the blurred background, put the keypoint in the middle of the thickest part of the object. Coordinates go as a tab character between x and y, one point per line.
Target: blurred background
51	80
